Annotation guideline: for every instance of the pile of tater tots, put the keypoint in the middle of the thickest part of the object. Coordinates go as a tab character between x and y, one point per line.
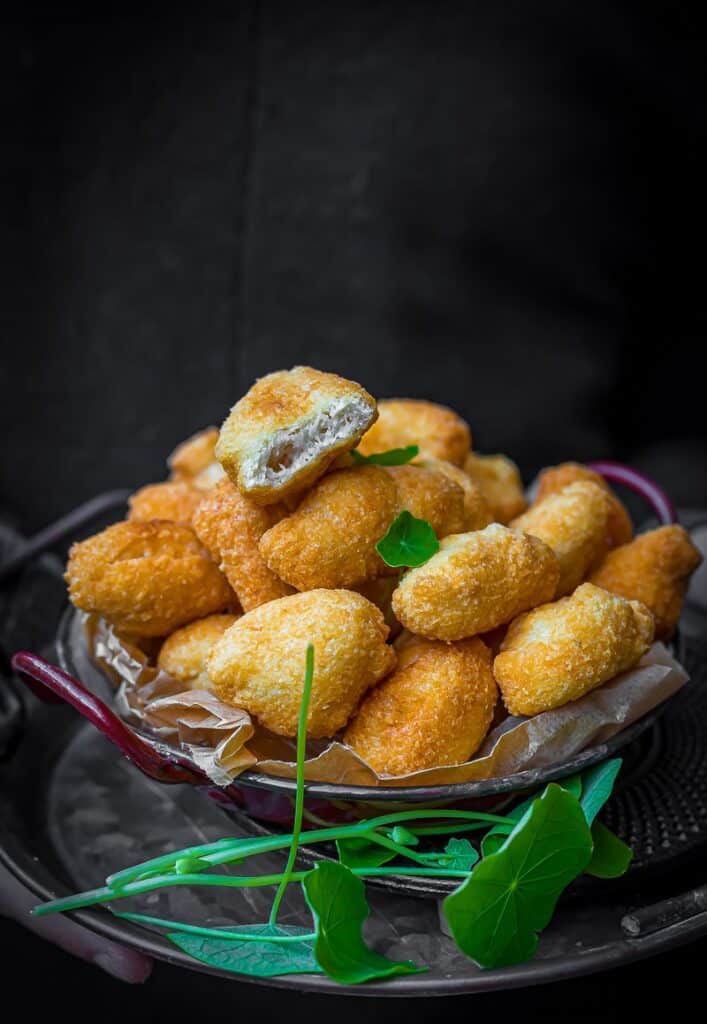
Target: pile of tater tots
263	540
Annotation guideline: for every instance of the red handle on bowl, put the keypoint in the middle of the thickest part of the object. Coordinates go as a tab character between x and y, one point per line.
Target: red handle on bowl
49	683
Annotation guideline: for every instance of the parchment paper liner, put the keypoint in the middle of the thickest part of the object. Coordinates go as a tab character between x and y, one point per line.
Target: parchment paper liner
215	734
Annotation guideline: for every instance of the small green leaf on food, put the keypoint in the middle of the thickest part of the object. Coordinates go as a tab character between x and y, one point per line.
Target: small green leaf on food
259	959
611	857
597	784
338	904
409	542
495	916
393	457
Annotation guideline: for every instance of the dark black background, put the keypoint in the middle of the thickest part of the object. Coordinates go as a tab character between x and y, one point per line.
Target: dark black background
495	205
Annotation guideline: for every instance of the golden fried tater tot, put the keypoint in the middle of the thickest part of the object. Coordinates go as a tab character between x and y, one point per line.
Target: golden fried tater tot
655	568
329	540
475	582
560	651
194	460
283	434
146	578
435	709
230	527
430	495
259	662
500	483
556	478
573	523
476	508
174	500
183	654
435	429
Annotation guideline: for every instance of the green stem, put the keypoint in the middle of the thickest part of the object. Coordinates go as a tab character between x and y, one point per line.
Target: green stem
214	933
299	796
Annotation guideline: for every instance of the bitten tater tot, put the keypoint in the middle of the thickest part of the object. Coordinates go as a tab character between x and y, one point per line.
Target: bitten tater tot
285	432
194	461
147	579
476	508
436	430
330	538
558	652
230	527
427	494
475	582
655	568
174	500
258	664
556	478
183	654
435	709
500	483
573	523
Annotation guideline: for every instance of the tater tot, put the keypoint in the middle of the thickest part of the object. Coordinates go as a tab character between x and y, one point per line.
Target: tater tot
258	664
330	539
230	527
435	429
194	460
476	509
475	582
560	651
655	568
556	478
183	654
285	432
427	494
435	709
500	483
174	500
146	578
573	523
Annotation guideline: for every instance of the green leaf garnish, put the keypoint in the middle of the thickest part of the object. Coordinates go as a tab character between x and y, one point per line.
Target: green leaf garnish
597	784
495	916
259	959
359	852
611	856
393	457
409	542
459	854
496	836
337	901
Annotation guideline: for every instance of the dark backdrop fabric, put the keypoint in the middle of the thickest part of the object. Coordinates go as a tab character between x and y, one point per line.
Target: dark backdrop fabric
497	206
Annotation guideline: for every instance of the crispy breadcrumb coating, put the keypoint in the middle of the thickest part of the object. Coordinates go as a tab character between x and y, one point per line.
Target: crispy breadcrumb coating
230	527
146	578
174	500
427	494
573	523
329	540
476	508
259	662
655	568
435	709
475	582
194	460
183	654
556	478
438	431
499	481
560	651
284	433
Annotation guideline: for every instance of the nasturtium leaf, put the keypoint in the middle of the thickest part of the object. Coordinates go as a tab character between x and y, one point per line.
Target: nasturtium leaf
359	852
597	784
611	856
510	896
573	784
258	959
409	542
393	457
403	836
337	900
459	855
494	839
